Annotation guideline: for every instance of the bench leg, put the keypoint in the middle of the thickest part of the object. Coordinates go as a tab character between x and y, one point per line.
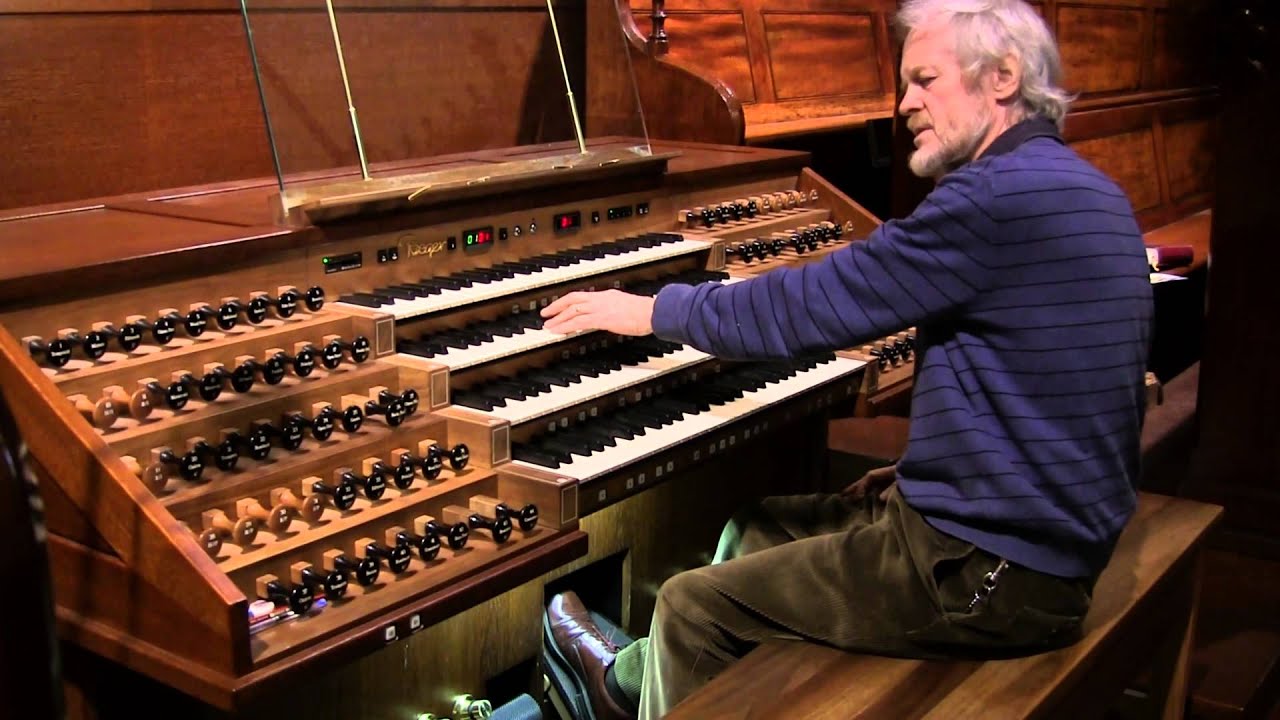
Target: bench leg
1171	663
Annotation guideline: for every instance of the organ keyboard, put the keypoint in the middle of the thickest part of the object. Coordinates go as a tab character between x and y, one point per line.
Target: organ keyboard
300	457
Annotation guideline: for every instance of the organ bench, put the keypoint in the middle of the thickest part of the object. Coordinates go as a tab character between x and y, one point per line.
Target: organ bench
1142	617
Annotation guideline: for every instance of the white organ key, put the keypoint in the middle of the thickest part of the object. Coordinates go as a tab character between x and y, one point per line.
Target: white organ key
501	347
478	292
657	440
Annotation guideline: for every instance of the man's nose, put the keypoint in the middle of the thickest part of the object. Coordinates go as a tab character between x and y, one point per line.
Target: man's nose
910	101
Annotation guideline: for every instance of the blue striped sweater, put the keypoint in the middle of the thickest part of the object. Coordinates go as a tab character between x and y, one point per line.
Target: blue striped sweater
1025	274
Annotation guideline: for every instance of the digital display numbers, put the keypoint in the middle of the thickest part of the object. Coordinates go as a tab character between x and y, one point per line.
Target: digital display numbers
567	221
477	237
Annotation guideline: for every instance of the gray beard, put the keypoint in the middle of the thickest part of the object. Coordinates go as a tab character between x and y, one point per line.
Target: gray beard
950	156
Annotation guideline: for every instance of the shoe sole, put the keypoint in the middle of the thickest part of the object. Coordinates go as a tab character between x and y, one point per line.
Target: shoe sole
573	689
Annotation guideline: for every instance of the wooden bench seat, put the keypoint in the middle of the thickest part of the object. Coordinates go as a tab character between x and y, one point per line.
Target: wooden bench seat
1141	621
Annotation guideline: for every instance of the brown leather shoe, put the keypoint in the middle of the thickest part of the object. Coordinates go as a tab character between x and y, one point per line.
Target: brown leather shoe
583	650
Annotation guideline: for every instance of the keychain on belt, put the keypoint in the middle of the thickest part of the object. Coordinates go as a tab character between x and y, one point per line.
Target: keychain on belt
989	582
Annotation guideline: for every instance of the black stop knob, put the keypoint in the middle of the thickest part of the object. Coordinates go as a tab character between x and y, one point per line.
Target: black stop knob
343	494
499	527
197	321
298	597
428	546
366	570
288	436
459	456
56	352
315	298
455	535
352	418
396	557
212	382
393	411
334	583
408	399
190	466
373	485
526	517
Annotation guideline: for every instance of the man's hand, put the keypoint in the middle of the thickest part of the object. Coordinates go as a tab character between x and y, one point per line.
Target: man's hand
879	480
611	310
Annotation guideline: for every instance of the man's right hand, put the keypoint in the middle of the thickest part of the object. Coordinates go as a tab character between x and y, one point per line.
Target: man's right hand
880	480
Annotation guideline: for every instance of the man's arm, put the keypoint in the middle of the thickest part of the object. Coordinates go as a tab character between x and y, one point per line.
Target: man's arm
907	272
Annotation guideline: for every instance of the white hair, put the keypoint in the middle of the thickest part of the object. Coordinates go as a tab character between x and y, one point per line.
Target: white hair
987	31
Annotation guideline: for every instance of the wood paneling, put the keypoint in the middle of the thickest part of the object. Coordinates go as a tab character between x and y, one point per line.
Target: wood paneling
721	48
1101	48
117	96
802	46
1237	460
796	67
112	103
1188	148
1129	159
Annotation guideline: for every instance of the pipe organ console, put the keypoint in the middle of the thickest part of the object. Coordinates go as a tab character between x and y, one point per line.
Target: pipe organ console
291	448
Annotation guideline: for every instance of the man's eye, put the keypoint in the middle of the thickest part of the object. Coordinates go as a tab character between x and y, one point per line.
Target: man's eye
924	82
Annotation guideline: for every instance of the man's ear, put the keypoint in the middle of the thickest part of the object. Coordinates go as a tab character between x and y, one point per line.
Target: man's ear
1006	77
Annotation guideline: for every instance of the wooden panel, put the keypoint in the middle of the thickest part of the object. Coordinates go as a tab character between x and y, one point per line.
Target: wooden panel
1101	48
1129	159
804	48
1189	157
720	48
1184	43
121	97
469	95
1236	460
114	103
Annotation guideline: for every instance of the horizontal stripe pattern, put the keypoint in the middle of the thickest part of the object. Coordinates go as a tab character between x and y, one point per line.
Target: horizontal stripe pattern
1026	277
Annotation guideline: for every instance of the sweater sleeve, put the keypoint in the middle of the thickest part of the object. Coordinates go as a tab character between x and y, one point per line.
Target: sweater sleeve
907	272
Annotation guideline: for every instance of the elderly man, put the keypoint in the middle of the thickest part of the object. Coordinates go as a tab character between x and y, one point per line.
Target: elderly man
1025	274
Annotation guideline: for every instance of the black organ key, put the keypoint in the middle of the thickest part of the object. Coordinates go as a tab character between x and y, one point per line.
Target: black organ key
534	456
362	299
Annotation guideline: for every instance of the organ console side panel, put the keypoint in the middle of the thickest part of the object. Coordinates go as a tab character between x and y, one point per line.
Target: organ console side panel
321	469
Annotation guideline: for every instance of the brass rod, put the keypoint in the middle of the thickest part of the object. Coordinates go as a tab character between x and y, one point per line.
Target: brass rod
346	86
573	106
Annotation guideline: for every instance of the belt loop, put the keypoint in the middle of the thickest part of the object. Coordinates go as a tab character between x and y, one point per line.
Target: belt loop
989	583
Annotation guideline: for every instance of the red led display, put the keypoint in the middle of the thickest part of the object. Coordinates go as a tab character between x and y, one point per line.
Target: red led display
567	221
478	236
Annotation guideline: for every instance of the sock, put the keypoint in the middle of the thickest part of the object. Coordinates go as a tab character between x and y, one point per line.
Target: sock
625	675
